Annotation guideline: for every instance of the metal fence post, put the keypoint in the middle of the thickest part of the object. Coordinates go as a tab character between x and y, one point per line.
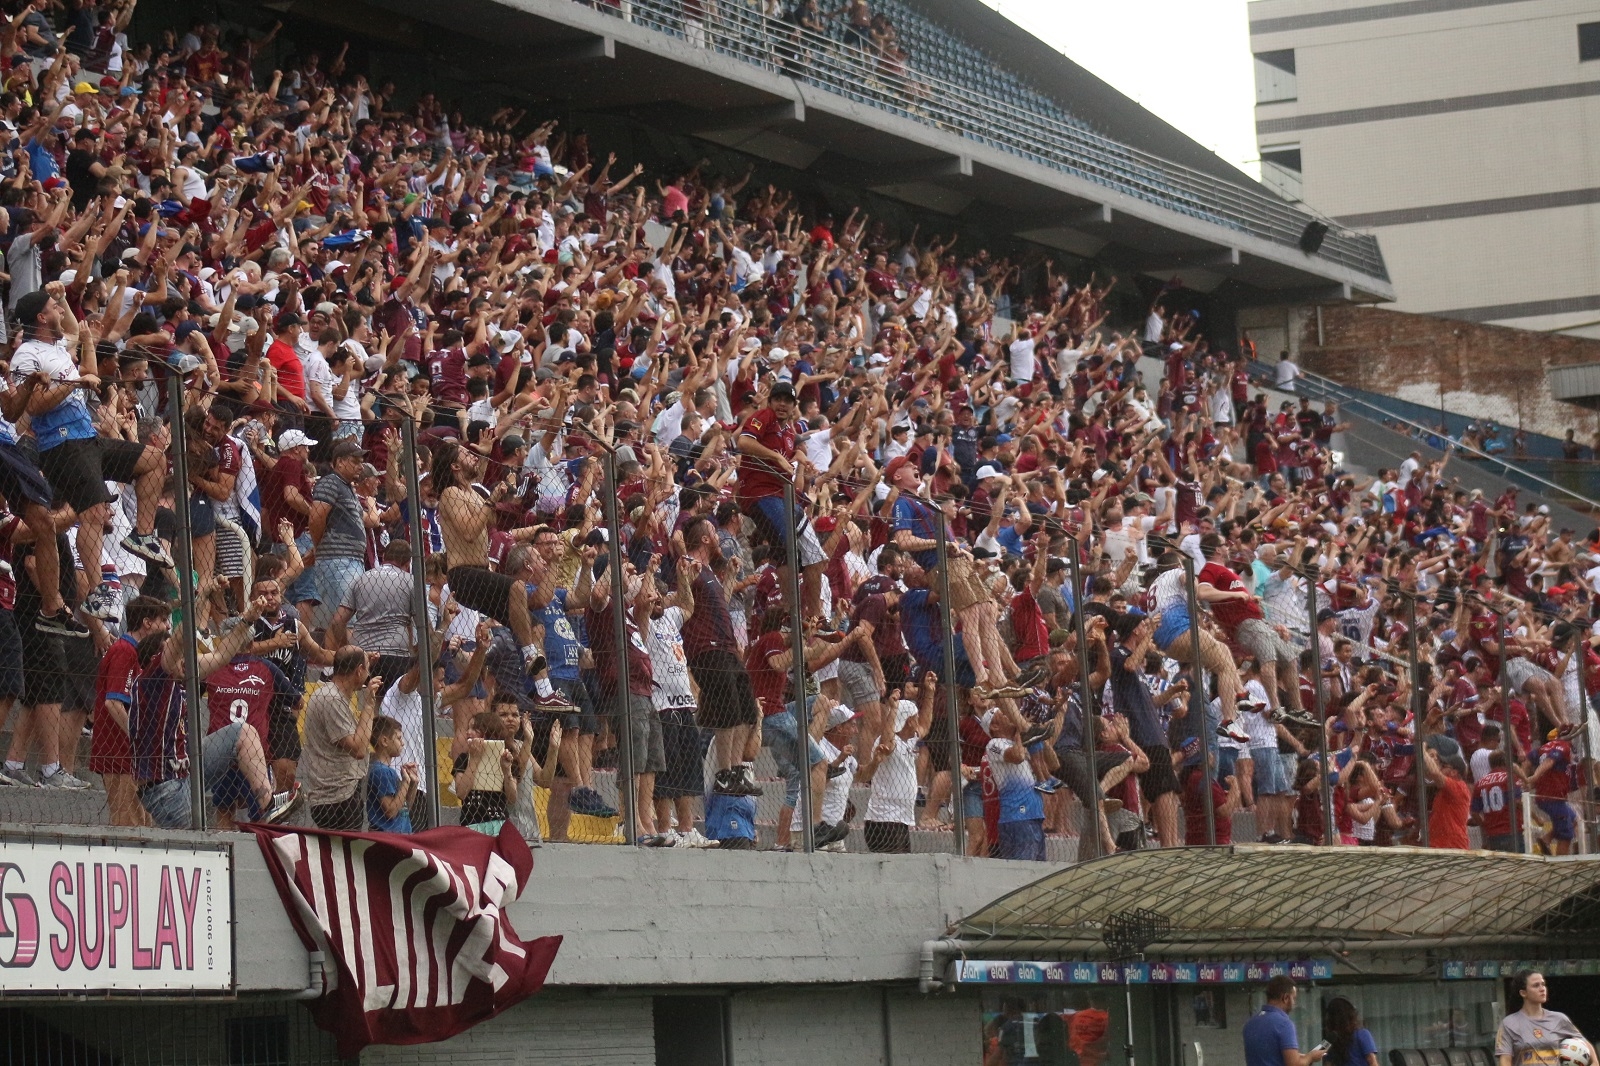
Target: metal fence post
627	794
1090	834
1197	698
952	704
1511	735
195	718
426	653
797	668
1314	643
1419	710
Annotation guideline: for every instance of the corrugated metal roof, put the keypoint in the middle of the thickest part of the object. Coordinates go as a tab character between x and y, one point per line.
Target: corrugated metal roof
1233	898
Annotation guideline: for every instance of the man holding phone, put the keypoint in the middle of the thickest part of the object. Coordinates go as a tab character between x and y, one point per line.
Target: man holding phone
1269	1036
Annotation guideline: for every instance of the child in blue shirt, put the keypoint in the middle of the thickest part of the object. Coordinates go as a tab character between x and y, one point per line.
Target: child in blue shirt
389	791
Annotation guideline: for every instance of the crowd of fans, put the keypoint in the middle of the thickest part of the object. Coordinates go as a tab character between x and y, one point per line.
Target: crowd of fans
319	275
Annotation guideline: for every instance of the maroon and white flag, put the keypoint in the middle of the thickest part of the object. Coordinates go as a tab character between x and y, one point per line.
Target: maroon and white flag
414	928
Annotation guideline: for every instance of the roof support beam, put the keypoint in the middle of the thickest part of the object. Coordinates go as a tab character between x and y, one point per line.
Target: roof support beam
761	117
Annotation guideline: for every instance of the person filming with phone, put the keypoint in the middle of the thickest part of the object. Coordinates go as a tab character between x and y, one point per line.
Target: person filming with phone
1270	1038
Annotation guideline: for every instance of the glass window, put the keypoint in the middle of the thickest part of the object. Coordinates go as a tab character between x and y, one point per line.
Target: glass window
1275	77
1280	169
1588	41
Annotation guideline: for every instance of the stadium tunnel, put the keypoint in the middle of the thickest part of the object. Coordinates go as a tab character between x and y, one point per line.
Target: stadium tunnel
1420	941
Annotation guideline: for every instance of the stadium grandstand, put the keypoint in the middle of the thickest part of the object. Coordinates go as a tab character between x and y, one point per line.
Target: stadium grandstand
652	429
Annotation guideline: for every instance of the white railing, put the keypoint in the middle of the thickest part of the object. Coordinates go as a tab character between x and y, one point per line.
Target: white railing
732	28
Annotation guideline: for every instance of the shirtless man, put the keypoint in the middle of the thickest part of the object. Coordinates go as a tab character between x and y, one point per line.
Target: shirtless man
465	517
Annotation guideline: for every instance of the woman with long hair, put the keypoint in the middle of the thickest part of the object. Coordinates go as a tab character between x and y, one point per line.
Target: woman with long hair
1349	1042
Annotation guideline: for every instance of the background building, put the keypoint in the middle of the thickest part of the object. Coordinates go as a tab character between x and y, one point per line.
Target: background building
1462	132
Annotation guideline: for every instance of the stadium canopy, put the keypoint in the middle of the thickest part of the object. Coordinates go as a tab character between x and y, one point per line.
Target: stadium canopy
1233	900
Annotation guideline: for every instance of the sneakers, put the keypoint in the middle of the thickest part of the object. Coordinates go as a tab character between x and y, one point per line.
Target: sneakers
1295	718
693	839
737	781
588	801
825	833
1229	731
18	778
62	779
1036	733
148	547
104	603
658	840
1032	675
1048	786
835	847
283	805
555	703
62	623
535	666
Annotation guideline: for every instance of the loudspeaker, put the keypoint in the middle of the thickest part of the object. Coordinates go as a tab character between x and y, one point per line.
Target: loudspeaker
1311	239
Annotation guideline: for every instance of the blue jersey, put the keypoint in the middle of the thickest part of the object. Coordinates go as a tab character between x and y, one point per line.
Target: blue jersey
563	637
918	518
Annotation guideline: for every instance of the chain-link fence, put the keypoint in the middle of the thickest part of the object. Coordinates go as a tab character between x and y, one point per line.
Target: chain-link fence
410	620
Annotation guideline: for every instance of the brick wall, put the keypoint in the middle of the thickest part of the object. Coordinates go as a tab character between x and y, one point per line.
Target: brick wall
1490	372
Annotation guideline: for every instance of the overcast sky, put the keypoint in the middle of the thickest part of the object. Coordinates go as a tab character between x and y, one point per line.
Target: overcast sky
1151	49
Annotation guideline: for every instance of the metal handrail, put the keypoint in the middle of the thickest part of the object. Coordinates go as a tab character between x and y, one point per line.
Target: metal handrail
1049	139
1327	388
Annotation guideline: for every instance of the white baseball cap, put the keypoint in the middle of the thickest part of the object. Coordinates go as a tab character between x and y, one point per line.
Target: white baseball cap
988	470
292	438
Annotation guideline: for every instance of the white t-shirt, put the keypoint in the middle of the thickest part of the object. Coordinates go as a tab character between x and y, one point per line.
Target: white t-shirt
1287	372
1023	363
836	793
1263	733
894	785
407	710
668	662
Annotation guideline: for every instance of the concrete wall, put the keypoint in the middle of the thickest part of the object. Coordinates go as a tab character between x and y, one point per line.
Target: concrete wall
669	917
547	1030
1491	263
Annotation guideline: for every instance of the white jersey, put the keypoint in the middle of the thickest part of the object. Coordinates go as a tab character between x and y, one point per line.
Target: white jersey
894	785
836	794
668	662
1263	733
1170	592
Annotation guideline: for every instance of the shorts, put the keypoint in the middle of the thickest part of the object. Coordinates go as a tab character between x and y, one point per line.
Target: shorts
726	698
20	479
1563	826
1258	638
333	579
644	727
685	744
202	515
229	553
1174	624
11	681
1269	779
1022	840
44	673
304	587
587	721
888	838
82	664
349	814
965	678
971	799
482	589
79	469
283	731
1520	671
780	733
966	584
1074	771
858	684
168	801
1159	779
773	526
1501	842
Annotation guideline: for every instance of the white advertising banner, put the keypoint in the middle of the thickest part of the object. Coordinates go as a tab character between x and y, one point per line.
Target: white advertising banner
93	917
